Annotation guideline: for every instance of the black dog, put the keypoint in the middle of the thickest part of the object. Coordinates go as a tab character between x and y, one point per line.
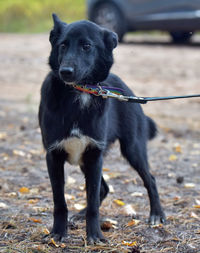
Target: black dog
78	127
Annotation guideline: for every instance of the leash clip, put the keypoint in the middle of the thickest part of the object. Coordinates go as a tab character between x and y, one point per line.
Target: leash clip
104	93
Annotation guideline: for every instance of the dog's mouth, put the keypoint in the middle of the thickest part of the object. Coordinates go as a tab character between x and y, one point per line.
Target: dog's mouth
69	83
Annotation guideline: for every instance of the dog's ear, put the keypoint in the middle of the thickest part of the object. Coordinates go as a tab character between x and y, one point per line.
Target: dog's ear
110	39
56	31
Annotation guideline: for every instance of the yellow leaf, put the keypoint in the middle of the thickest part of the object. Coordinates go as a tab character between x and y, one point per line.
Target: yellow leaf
46	231
106	169
177	148
24	190
196	206
54	243
130	244
173	158
119	202
33	201
35	220
133	222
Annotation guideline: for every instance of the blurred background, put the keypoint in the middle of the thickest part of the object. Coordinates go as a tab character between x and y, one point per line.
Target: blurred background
159	56
35	15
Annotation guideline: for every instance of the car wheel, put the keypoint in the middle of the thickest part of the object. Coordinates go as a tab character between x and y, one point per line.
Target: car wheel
109	16
181	37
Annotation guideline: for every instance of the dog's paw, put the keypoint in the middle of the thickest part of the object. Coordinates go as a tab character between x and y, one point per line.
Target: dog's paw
57	238
156	219
78	216
95	239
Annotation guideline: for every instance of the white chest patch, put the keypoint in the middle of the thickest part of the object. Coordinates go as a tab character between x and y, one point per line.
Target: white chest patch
75	146
84	99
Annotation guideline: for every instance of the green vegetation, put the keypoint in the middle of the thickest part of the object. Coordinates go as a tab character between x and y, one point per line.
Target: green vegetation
30	16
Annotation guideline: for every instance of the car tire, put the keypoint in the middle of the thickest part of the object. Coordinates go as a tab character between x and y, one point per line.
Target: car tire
181	37
109	16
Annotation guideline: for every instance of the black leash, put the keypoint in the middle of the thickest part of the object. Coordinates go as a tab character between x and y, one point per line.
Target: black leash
141	100
144	100
113	92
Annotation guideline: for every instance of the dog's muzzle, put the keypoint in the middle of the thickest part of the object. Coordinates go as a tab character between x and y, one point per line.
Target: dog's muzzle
67	74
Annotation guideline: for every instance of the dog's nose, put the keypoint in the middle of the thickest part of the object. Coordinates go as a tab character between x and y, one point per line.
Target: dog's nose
67	72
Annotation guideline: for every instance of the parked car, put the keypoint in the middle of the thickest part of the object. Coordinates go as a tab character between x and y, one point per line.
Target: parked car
181	18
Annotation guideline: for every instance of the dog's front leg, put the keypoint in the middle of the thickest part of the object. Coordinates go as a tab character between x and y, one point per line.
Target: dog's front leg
55	164
92	167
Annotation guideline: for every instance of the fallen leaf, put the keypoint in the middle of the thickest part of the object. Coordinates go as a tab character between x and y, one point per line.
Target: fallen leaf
3	205
63	245
114	174
106	225
34	191
33	201
24	190
12	194
3	135
172	158
106	169
19	152
130	244
176	198
40	209
106	176
137	194
129	210
69	197
114	222
82	187
71	180
46	231
79	206
194	215
196	206
119	202
35	220
133	222
189	185
177	148
52	242
157	226
111	189
197	201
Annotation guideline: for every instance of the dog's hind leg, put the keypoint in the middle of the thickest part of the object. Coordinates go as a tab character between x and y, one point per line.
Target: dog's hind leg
55	164
103	193
137	157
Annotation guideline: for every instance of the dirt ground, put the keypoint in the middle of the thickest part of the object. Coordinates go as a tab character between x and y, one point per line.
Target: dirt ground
151	66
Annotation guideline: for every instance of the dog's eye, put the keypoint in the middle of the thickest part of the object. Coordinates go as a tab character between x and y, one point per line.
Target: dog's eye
86	47
62	46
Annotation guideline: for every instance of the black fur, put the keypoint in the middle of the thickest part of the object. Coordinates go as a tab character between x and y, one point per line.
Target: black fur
82	53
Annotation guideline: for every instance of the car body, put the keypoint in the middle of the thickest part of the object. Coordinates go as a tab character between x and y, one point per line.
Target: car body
179	17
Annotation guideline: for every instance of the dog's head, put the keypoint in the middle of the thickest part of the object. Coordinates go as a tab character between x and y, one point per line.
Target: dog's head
81	51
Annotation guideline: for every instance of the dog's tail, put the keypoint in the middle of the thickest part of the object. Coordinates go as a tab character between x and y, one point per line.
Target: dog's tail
152	128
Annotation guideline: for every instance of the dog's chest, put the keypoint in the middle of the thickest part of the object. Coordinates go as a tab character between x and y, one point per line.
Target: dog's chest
75	146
